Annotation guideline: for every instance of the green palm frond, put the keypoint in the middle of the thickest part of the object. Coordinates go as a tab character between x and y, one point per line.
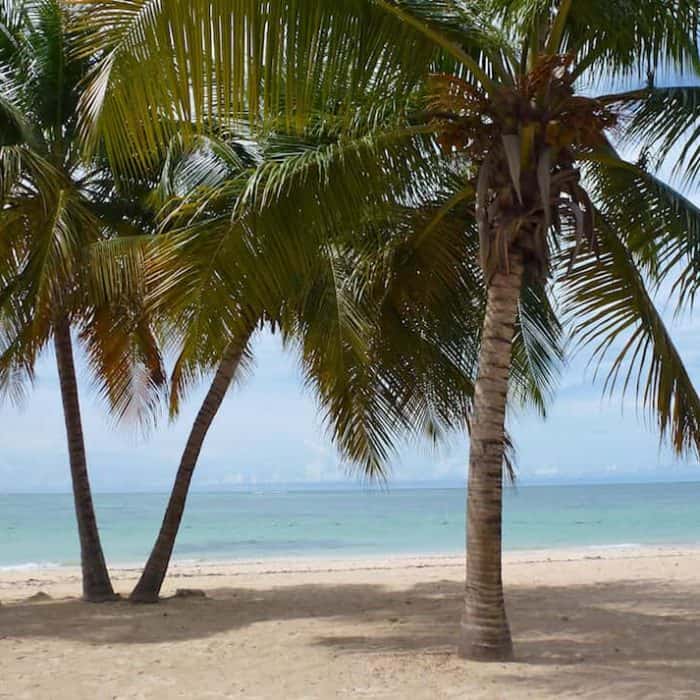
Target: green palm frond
615	39
13	20
660	226
665	124
611	310
201	164
329	334
118	330
54	75
191	284
26	172
125	361
306	56
58	252
461	31
18	352
378	377
346	176
414	373
15	127
280	212
54	208
627	39
538	349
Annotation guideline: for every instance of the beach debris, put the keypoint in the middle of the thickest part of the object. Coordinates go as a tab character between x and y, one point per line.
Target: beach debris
189	593
39	597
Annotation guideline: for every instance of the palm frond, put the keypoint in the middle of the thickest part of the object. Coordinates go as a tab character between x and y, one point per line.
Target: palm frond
538	349
659	225
664	122
615	39
54	208
345	176
162	60
18	352
125	360
611	310
629	40
15	127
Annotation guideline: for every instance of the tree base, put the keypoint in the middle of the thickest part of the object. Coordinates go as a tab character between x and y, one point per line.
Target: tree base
144	598
106	597
483	645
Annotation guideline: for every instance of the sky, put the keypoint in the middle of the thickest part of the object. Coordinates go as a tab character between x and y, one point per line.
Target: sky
268	432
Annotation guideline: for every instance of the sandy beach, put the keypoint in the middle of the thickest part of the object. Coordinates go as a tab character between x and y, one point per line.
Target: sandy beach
609	623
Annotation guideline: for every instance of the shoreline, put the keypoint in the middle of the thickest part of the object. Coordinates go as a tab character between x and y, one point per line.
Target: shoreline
322	558
64	580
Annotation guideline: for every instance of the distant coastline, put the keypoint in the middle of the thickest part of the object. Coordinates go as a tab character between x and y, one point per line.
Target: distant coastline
691	476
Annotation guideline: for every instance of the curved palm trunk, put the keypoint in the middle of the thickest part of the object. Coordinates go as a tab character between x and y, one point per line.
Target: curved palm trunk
148	588
97	586
485	634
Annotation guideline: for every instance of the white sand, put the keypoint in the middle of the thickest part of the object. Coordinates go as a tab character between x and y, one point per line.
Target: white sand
612	624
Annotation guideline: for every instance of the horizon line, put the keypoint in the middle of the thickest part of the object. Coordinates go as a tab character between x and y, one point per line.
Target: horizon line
302	486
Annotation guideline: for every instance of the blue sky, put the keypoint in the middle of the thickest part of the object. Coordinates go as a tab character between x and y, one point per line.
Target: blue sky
268	431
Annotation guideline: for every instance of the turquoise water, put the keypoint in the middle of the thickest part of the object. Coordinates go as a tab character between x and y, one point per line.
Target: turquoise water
40	529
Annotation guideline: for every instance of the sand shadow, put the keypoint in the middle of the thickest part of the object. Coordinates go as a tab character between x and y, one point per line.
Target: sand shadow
616	634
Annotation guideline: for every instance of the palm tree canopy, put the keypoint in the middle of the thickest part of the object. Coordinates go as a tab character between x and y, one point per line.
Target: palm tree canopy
383	315
55	207
531	100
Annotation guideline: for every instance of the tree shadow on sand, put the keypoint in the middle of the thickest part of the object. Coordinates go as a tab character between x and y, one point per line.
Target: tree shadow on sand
623	635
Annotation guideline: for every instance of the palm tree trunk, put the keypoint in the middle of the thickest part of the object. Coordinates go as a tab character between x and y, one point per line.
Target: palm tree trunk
97	586
148	588
485	634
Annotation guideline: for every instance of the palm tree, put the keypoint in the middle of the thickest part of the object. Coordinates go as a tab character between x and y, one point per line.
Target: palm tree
215	280
501	90
200	318
54	207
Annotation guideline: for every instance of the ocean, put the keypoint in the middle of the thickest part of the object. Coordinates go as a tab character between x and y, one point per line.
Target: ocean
40	529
